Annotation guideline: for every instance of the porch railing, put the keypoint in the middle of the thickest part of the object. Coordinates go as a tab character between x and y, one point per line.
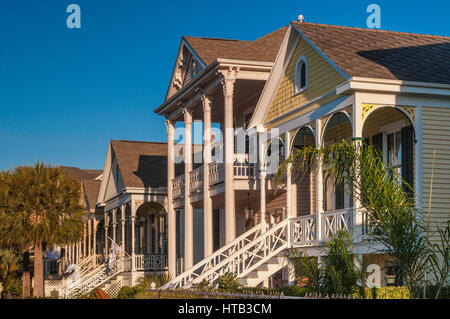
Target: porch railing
150	262
303	230
178	186
216	173
196	179
335	220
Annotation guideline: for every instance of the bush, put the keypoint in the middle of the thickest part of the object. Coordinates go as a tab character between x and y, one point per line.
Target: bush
158	279
385	293
228	282
99	294
127	292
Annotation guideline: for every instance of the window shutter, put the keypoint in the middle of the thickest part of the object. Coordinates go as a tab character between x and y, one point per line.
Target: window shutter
407	157
377	142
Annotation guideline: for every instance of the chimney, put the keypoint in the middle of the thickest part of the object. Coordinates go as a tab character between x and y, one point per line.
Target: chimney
301	18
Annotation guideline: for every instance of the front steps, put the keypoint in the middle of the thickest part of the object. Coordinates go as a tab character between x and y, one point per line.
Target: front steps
265	271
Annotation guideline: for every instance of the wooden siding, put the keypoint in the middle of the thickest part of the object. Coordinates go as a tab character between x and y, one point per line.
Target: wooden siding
436	137
321	79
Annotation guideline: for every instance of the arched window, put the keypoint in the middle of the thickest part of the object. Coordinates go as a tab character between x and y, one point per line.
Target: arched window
301	75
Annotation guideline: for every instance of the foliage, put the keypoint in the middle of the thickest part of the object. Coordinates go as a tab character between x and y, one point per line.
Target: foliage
401	292
392	218
9	266
338	274
204	285
127	292
341	272
159	279
229	282
39	206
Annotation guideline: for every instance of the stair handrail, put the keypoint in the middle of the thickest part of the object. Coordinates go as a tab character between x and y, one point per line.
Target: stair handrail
184	276
97	277
210	273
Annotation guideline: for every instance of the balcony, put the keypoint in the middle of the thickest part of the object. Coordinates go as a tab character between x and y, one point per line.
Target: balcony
242	171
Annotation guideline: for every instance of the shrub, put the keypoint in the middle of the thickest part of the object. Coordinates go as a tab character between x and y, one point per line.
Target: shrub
228	282
126	292
401	292
99	294
158	279
204	285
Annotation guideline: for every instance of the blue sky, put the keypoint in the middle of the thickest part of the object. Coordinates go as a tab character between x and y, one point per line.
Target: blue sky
64	93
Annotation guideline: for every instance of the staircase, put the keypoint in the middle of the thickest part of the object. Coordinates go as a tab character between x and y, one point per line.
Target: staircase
253	257
101	276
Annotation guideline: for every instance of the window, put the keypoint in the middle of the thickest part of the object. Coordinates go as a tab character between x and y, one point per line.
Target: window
394	152
300	75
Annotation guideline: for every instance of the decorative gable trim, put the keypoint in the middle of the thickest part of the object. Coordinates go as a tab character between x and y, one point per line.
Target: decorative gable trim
112	183
176	78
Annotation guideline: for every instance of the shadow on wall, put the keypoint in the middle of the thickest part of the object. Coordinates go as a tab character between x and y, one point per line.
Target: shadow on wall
413	63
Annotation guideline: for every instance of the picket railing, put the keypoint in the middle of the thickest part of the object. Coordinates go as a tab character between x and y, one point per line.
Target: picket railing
335	220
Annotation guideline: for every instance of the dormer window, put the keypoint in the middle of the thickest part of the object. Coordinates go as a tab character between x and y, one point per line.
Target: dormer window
301	75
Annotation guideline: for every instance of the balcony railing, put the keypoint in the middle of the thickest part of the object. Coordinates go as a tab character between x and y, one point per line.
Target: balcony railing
150	262
178	186
196	179
216	173
335	220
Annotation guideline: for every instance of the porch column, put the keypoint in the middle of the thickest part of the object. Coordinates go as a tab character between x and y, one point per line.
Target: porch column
357	138
262	205
133	231
188	209
288	176
207	202
94	239
171	214
319	183
89	230
106	232
230	214
123	221
114	224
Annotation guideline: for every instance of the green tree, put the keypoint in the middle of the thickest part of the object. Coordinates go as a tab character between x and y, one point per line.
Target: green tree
39	206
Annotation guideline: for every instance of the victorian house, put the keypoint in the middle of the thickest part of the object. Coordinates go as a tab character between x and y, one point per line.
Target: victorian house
204	203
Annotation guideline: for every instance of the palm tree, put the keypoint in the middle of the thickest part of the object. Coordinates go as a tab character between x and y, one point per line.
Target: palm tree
39	206
9	265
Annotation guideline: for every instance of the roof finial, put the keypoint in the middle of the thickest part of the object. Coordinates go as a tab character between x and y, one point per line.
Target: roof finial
301	18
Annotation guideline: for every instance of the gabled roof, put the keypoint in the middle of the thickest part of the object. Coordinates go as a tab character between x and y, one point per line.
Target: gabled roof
382	54
91	189
141	164
263	49
79	174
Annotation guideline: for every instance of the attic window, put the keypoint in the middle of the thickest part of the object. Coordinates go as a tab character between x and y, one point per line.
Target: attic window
301	75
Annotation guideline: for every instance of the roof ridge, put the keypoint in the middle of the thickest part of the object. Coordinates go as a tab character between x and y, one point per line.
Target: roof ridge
371	30
129	141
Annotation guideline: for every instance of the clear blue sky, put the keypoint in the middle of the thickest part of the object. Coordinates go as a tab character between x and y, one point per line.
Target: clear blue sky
64	93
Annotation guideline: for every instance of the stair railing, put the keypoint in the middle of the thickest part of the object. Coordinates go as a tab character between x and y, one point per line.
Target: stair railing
240	257
214	259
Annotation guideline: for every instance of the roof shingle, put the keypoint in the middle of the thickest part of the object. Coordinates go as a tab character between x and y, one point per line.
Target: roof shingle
383	54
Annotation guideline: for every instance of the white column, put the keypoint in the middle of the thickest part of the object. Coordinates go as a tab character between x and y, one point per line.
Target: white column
230	214
357	137
114	224
262	206
133	231
85	238
94	239
89	231
188	209
106	223
319	183
207	202
287	144
123	221
171	213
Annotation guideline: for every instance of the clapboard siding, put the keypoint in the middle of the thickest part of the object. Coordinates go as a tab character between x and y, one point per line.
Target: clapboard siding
436	137
321	79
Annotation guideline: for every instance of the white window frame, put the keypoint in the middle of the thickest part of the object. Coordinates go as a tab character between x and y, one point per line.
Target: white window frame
297	83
